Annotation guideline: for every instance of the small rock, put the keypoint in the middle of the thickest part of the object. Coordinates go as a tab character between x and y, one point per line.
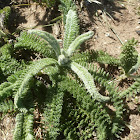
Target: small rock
107	34
99	12
138	32
137	27
122	5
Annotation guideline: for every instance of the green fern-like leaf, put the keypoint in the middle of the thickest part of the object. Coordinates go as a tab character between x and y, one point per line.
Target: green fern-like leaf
88	81
90	107
6	90
71	29
6	50
29	121
78	41
135	67
52	112
65	6
6	106
49	38
24	127
18	133
97	56
75	123
22	84
104	80
128	56
8	64
4	17
133	90
13	78
34	43
116	101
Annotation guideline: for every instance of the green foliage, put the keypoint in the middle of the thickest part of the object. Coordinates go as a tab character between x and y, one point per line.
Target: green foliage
88	107
133	90
96	56
49	38
7	106
8	64
71	29
65	6
34	43
135	67
78	41
18	133
24	127
75	123
88	80
4	17
75	98
22	84
52	112
6	89
29	121
128	56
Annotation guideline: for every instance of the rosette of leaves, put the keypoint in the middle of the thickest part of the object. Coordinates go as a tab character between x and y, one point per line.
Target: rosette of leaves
70	44
71	104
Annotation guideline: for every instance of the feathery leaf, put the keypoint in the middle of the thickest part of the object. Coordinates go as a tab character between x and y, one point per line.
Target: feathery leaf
128	56
29	120
88	81
49	38
78	41
34	43
6	106
22	84
6	90
18	133
52	112
71	29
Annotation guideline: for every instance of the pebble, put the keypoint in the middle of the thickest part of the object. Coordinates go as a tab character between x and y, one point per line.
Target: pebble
138	32
107	34
99	12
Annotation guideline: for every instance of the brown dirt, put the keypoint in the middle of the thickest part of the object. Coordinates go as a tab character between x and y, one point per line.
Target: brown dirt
113	21
7	125
121	17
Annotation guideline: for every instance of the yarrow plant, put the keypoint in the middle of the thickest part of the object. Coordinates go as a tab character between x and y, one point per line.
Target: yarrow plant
63	57
63	85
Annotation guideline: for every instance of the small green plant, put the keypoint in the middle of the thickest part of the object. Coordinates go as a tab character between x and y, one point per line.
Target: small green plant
70	80
73	96
4	18
129	58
